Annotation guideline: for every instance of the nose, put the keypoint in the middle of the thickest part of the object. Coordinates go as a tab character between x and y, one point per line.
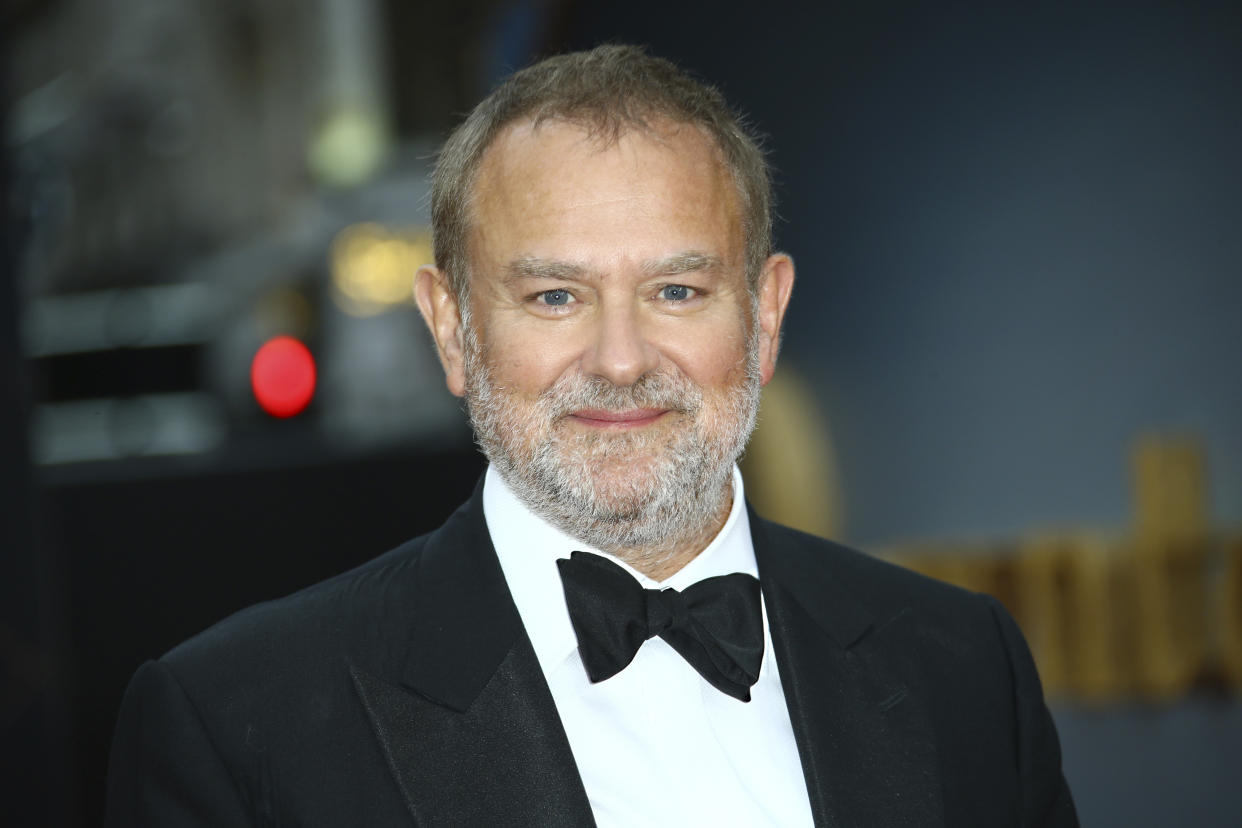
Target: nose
620	351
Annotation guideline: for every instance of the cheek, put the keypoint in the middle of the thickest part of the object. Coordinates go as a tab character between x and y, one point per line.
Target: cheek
526	367
713	359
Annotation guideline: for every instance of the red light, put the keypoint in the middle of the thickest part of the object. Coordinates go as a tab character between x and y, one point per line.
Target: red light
283	376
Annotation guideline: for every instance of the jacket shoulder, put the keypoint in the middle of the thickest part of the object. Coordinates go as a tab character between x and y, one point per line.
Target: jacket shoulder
881	586
246	713
317	615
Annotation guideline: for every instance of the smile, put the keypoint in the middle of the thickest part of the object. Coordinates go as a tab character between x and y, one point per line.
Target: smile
617	420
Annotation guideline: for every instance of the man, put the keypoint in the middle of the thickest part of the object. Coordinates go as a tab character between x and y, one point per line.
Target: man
585	640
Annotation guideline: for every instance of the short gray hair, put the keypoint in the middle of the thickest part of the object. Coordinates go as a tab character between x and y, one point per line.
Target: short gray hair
609	90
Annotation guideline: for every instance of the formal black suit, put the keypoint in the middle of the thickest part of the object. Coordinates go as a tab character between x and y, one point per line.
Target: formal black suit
406	692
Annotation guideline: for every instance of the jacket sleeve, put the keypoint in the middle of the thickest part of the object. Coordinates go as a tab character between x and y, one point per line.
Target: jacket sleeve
1045	799
164	769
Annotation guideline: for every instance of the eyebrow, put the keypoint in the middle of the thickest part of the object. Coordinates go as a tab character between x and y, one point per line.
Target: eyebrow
688	262
533	267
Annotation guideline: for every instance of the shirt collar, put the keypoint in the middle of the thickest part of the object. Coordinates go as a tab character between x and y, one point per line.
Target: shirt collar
528	547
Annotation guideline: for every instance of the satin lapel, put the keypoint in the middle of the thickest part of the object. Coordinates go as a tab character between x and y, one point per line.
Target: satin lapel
468	726
865	741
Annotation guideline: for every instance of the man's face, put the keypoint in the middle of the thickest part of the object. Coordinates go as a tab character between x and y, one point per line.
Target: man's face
611	360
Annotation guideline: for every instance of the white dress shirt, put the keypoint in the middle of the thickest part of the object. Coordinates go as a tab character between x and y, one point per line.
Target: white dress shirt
655	744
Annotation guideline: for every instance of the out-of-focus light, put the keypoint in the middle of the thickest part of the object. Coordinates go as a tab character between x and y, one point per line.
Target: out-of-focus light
282	375
348	147
373	267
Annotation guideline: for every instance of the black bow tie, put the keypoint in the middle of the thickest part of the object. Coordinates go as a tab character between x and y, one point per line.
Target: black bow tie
716	624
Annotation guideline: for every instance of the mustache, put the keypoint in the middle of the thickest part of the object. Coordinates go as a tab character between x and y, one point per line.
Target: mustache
660	390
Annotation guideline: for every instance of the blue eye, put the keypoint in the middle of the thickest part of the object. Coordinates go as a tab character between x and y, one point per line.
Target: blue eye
675	293
555	297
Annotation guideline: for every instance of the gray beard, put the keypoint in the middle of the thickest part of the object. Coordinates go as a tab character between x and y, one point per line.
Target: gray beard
635	495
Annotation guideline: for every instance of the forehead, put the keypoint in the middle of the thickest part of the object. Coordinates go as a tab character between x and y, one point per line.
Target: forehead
557	183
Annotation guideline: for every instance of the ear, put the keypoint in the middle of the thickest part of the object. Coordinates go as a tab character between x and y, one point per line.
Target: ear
438	304
774	289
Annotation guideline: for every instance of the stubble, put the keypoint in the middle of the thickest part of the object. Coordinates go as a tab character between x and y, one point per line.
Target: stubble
641	495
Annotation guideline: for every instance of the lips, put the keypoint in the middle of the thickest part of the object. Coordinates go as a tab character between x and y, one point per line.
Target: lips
626	418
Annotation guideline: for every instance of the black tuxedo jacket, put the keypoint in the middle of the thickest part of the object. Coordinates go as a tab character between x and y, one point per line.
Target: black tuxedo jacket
406	692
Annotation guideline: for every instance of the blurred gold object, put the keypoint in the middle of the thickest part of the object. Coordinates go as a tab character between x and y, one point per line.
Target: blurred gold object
1170	489
789	465
1170	536
1048	611
1170	589
373	267
1229	603
1147	614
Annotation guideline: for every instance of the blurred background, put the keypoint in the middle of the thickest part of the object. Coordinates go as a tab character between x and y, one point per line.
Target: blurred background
1012	359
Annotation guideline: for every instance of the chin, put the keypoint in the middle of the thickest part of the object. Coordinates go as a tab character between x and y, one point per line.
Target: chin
618	492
